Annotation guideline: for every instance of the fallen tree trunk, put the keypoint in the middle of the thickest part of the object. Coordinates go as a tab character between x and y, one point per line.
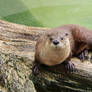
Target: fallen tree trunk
17	43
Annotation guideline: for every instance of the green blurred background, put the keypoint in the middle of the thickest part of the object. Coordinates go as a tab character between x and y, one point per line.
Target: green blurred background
47	13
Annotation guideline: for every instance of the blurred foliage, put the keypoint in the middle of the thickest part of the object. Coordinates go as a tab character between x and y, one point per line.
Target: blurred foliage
47	13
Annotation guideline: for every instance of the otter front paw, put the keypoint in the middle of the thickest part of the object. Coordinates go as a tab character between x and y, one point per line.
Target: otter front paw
69	66
83	55
35	70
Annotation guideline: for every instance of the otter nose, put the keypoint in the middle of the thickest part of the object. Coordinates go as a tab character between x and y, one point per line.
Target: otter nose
55	42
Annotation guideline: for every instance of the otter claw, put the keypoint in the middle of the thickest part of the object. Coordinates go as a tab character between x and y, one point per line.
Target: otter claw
35	70
84	55
70	67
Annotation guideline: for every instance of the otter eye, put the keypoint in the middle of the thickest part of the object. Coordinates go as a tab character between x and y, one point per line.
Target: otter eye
51	38
62	38
48	35
66	34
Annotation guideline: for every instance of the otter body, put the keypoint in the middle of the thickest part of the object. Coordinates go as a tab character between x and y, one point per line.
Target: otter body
60	44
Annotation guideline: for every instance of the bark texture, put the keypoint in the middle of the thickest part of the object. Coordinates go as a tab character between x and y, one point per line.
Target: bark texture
17	48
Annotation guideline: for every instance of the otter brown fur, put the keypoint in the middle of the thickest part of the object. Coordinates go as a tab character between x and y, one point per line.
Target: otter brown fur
46	50
71	39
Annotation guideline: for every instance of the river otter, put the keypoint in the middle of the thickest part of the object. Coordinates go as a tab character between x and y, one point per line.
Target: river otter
59	44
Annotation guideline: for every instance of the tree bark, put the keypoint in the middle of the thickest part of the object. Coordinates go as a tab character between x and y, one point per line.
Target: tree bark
17	48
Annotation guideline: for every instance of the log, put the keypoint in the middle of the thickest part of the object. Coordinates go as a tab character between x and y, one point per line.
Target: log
17	49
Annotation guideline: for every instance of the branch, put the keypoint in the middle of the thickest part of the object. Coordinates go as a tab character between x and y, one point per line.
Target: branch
17	43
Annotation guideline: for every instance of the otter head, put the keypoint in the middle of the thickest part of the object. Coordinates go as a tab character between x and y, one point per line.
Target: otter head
57	40
55	48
